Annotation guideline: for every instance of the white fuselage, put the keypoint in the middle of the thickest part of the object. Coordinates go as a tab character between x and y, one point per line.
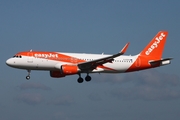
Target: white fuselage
120	64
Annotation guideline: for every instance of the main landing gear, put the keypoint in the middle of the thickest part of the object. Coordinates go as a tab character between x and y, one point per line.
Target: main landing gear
28	76
80	79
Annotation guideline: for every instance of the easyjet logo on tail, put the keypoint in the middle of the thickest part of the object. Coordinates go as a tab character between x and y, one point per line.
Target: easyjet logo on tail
155	43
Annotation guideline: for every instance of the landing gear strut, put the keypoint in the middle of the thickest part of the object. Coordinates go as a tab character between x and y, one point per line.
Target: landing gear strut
28	76
80	79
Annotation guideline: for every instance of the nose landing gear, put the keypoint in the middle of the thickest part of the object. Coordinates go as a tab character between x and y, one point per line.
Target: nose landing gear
28	76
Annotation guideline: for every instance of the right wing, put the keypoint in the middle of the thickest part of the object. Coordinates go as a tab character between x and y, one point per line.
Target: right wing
90	65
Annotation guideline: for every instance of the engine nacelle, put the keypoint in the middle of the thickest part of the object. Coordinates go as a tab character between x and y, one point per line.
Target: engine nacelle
57	74
64	70
69	69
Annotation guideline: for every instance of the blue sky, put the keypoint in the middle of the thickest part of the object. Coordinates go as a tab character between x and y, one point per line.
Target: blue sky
90	27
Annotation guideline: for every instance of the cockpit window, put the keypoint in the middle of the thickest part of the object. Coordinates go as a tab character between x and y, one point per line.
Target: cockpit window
17	56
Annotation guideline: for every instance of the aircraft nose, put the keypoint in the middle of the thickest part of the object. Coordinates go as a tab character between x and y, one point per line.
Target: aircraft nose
9	62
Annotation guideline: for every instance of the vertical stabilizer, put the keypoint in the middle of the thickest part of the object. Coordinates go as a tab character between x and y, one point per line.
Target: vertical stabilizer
155	47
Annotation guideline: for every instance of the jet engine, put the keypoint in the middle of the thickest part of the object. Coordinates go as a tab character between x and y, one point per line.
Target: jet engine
64	70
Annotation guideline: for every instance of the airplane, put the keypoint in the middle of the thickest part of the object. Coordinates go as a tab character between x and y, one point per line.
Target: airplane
61	64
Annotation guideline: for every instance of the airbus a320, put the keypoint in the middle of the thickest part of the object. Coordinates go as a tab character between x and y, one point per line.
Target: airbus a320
60	64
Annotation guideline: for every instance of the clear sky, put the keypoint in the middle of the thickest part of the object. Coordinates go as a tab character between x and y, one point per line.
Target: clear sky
89	26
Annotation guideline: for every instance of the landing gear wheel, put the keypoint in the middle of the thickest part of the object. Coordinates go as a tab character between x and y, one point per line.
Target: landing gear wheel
27	77
80	80
88	78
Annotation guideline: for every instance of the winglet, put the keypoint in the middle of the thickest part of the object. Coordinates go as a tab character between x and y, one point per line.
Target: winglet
124	48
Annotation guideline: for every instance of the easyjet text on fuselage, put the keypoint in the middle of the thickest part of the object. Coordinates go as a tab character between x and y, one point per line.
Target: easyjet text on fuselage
50	55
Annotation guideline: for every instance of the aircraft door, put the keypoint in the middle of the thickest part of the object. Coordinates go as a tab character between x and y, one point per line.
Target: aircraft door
138	62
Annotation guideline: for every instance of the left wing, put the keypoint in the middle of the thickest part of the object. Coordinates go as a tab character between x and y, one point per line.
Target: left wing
90	65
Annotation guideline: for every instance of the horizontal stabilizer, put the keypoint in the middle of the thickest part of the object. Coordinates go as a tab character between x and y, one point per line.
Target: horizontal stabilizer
162	62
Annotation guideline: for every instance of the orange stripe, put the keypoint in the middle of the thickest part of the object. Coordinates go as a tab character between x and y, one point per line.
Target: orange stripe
52	56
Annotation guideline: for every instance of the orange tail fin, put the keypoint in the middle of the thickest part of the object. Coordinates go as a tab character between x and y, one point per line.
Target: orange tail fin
156	46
